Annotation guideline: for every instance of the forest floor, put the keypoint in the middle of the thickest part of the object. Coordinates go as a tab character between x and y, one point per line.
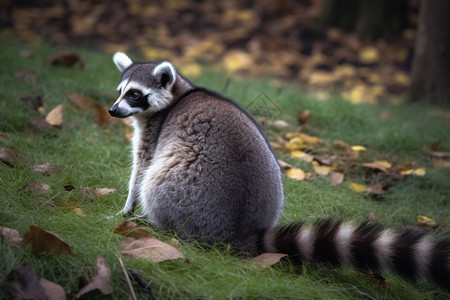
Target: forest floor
65	165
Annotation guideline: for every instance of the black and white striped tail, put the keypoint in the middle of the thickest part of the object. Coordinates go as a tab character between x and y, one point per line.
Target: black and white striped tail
368	247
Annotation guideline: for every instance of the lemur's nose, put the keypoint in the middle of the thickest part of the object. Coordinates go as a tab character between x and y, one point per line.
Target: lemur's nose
113	111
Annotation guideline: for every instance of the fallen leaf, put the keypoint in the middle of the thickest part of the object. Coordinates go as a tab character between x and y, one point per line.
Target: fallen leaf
378	165
440	163
369	55
295	173
302	156
42	240
11	157
358	148
102	116
284	165
24	284
101	281
67	59
81	102
341	145
376	189
336	177
52	290
149	248
303	117
419	172
267	259
439	154
55	116
39	187
323	170
426	221
280	124
101	191
310	176
131	229
12	236
45	168
356	187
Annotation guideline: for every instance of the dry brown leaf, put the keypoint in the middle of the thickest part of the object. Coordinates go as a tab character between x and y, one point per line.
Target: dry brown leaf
11	157
376	189
149	248
67	59
42	240
267	259
101	281
102	116
295	173
303	117
131	229
310	176
82	102
101	191
12	236
439	154
39	187
52	290
45	168
336	177
55	116
284	165
440	163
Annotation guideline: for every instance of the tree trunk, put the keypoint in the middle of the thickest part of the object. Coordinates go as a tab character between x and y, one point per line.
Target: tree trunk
430	74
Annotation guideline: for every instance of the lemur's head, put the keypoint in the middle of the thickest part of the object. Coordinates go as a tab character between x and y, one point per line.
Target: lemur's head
144	87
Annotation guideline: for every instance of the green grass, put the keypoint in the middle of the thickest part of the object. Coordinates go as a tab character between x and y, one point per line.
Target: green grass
88	155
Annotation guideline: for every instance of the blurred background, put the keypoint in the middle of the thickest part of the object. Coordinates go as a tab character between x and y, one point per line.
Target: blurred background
363	50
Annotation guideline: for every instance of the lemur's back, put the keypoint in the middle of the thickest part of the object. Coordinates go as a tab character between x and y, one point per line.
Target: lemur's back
213	173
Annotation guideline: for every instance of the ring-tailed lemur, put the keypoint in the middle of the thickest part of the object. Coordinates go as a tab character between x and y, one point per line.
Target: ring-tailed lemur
203	167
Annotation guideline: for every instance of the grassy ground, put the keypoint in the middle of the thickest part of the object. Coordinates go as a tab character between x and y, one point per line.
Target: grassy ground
88	155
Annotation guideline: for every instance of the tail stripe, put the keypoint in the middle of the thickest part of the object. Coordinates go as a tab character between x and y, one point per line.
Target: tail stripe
305	243
324	245
362	248
286	238
383	249
422	251
440	264
343	240
403	262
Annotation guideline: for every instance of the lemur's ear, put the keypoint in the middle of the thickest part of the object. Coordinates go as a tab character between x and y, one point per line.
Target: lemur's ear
122	61
165	75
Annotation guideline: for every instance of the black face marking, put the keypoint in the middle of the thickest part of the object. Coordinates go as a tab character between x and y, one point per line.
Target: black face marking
135	98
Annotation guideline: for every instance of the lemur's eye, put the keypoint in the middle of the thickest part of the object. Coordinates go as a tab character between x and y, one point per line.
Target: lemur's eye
135	95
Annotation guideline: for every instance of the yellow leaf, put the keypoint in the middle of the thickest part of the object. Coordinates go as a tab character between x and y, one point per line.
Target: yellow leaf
302	155
419	172
296	174
237	60
323	170
426	221
406	171
191	69
440	163
356	187
358	148
55	116
369	55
